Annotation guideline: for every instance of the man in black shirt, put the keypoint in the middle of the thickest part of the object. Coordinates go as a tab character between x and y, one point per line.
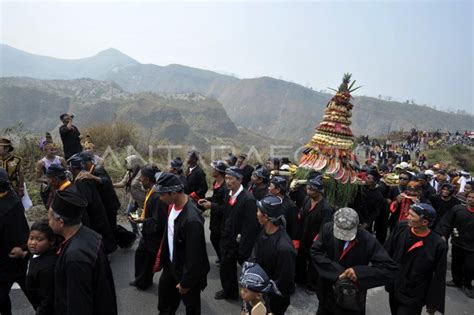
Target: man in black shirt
247	170
83	279
315	212
421	255
259	184
153	219
460	223
14	231
104	184
344	250
176	167
369	202
279	187
70	136
216	203
196	186
381	222
428	192
274	251
444	201
238	234
182	252
95	209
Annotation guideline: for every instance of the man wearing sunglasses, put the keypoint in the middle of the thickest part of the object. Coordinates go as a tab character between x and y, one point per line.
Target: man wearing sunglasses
400	206
403	178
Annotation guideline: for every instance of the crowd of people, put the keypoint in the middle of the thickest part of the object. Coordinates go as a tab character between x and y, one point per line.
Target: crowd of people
410	150
269	232
418	140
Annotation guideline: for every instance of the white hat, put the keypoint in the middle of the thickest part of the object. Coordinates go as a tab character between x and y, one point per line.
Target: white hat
403	165
285	167
429	173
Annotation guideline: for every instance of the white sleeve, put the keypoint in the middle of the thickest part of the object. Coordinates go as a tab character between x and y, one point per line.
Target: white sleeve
462	183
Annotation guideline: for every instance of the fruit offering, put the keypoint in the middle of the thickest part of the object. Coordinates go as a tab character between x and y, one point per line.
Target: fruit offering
330	149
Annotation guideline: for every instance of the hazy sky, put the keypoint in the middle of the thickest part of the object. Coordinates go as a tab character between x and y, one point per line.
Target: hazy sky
421	50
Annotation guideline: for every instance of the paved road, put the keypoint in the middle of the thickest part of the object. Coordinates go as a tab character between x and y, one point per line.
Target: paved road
132	301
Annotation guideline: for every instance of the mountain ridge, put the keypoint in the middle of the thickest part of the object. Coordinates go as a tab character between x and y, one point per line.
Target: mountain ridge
269	106
15	62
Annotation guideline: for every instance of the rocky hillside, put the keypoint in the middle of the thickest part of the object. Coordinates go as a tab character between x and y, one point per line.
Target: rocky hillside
178	118
285	110
267	106
281	109
170	79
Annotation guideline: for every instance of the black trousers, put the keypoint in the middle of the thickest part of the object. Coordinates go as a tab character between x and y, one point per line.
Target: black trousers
169	297
462	266
381	226
112	219
399	309
302	268
338	311
144	262
6	284
215	239
306	274
279	304
228	275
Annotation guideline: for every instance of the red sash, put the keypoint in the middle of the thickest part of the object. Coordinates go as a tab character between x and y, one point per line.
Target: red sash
157	267
347	249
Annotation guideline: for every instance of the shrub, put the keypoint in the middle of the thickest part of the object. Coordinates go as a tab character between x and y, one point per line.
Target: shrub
463	156
116	134
458	156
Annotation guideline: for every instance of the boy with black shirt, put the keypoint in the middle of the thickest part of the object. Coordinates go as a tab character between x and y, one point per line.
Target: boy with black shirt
238	234
274	251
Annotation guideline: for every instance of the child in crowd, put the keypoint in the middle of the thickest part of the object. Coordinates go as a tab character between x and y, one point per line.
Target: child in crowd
255	285
41	256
